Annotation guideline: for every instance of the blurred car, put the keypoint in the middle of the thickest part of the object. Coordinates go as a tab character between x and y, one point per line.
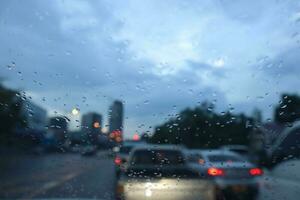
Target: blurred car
282	182
232	174
88	150
122	155
75	149
239	149
161	173
286	146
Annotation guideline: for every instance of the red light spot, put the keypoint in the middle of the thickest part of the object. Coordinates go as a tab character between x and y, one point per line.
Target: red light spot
118	161
215	171
118	139
256	172
136	137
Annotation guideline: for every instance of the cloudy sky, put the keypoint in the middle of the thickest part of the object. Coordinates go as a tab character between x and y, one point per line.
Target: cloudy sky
157	56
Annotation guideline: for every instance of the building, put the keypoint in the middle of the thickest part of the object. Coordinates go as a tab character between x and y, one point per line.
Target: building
35	121
116	121
58	128
34	116
91	125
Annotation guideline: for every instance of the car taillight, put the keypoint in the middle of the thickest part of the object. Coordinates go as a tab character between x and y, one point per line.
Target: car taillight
118	161
215	171
256	172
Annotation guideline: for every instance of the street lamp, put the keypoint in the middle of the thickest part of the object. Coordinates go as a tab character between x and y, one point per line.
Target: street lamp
75	111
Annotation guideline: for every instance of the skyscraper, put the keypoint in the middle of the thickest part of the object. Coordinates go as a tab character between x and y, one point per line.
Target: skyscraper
116	121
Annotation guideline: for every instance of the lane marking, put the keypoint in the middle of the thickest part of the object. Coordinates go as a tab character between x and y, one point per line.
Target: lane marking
50	185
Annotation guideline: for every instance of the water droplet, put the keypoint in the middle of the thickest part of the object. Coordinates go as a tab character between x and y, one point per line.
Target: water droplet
68	53
284	106
11	66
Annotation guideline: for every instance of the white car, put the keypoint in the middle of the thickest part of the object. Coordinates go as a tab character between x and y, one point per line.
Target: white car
121	157
161	172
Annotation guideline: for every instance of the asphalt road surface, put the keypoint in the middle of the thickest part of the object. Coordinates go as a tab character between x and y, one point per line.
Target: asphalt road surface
75	176
58	176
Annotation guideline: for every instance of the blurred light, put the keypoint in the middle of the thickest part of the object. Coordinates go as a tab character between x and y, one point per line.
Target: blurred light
118	139
201	161
215	171
120	189
136	137
96	125
112	135
118	161
75	111
117	133
256	172
116	149
148	193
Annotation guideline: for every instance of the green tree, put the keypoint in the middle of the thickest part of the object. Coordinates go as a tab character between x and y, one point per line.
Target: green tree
9	114
202	127
288	109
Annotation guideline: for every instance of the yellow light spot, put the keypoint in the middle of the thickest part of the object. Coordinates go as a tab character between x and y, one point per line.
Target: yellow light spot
96	125
75	111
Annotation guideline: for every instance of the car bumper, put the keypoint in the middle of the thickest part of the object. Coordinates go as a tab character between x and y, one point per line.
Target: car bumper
240	191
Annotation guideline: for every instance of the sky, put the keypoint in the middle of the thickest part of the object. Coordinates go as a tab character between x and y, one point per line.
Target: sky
158	57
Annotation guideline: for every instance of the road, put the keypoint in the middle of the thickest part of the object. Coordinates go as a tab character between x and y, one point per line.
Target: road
58	176
76	176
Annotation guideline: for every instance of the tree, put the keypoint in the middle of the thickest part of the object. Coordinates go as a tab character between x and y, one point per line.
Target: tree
9	114
288	109
202	127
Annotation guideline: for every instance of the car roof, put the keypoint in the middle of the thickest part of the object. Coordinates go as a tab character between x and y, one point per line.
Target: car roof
235	146
159	147
208	152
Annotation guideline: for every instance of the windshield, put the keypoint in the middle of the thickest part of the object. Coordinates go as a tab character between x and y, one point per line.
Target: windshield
157	157
85	83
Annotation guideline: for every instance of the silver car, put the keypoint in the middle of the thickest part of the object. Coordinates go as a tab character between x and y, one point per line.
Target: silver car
161	173
122	155
232	174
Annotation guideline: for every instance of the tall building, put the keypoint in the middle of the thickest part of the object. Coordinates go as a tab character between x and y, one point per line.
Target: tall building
34	115
35	121
58	128
91	124
116	121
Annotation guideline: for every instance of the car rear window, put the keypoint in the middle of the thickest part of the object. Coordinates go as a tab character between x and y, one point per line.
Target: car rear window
126	149
194	158
224	158
157	157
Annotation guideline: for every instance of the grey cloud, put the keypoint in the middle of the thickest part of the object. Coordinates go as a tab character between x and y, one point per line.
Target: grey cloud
216	72
287	63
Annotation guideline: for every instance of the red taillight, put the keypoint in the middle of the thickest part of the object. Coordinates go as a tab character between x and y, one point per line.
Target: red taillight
256	172
118	161
215	171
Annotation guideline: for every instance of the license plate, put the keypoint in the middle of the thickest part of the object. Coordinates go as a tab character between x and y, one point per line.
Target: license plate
239	188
